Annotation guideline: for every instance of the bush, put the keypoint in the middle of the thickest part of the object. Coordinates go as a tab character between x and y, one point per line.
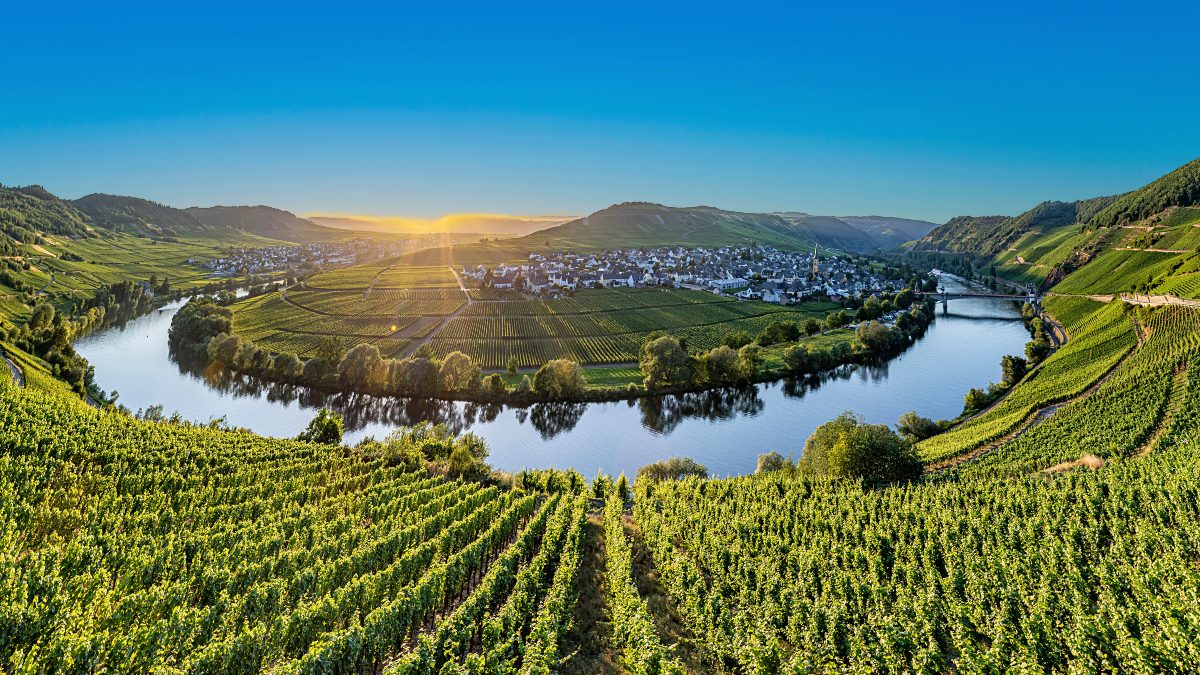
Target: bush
675	468
848	447
772	461
325	428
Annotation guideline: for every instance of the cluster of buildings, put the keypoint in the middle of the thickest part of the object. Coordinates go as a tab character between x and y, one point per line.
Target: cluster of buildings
302	257
750	272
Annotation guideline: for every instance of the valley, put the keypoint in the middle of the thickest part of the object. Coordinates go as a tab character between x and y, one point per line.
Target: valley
1050	524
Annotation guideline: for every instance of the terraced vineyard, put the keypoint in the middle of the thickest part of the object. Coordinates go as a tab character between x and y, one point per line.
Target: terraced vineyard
1100	336
367	305
136	547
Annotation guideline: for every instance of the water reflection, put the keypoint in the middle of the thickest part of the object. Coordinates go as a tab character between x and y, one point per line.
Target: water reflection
724	429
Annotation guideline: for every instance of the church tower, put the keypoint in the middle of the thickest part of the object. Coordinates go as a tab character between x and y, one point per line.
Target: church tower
816	269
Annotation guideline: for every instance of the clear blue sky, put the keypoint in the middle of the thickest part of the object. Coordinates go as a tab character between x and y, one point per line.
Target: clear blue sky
925	110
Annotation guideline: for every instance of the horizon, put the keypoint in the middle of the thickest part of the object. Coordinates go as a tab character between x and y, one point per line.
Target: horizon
434	114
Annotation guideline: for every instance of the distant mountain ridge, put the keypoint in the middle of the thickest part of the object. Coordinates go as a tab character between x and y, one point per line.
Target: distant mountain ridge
636	224
265	221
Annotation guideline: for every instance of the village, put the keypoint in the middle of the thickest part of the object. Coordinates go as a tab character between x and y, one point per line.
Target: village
749	272
302	258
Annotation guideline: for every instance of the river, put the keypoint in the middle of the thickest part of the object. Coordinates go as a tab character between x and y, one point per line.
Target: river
725	430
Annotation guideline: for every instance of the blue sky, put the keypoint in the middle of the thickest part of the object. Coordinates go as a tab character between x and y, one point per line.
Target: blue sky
926	110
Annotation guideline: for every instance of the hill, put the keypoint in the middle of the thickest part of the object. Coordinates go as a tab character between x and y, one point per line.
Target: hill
633	224
264	221
28	214
890	232
135	215
1181	187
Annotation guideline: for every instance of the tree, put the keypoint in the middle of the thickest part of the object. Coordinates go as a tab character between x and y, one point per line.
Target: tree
358	367
251	358
917	428
42	316
560	379
812	327
778	332
325	428
837	319
665	363
513	364
749	359
458	373
223	349
801	360
772	461
1014	368
976	400
675	468
848	447
286	367
331	348
493	385
737	339
720	365
1035	351
315	371
874	336
420	376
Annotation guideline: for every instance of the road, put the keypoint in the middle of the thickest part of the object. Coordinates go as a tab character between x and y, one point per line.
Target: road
420	342
18	376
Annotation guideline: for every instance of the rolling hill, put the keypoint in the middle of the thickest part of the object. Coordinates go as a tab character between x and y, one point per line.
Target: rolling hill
27	214
135	215
649	224
264	221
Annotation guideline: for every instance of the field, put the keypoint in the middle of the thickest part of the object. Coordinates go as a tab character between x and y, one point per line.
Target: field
112	258
399	310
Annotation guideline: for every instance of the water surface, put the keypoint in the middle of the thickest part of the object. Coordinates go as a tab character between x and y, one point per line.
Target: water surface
725	429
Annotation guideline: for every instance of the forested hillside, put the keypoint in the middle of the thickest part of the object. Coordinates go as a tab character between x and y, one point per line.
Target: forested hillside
138	216
1181	187
266	221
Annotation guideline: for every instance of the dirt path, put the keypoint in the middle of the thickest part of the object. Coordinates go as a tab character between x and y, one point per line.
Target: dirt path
666	617
590	637
421	342
1158	300
17	375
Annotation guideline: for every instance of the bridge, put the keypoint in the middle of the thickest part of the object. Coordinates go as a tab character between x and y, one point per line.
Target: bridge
1031	296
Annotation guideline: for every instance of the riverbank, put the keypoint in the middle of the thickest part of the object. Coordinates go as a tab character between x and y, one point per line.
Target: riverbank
202	336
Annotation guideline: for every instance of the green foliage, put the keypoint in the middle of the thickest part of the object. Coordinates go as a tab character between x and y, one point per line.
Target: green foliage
665	363
1181	187
916	428
325	427
848	447
559	380
675	468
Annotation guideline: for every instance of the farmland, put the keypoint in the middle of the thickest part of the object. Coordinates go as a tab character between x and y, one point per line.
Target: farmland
400	309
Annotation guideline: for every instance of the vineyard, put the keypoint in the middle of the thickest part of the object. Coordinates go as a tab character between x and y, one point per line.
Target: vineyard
135	547
366	305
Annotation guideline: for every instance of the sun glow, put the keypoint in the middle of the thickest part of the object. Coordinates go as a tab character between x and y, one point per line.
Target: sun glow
483	223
